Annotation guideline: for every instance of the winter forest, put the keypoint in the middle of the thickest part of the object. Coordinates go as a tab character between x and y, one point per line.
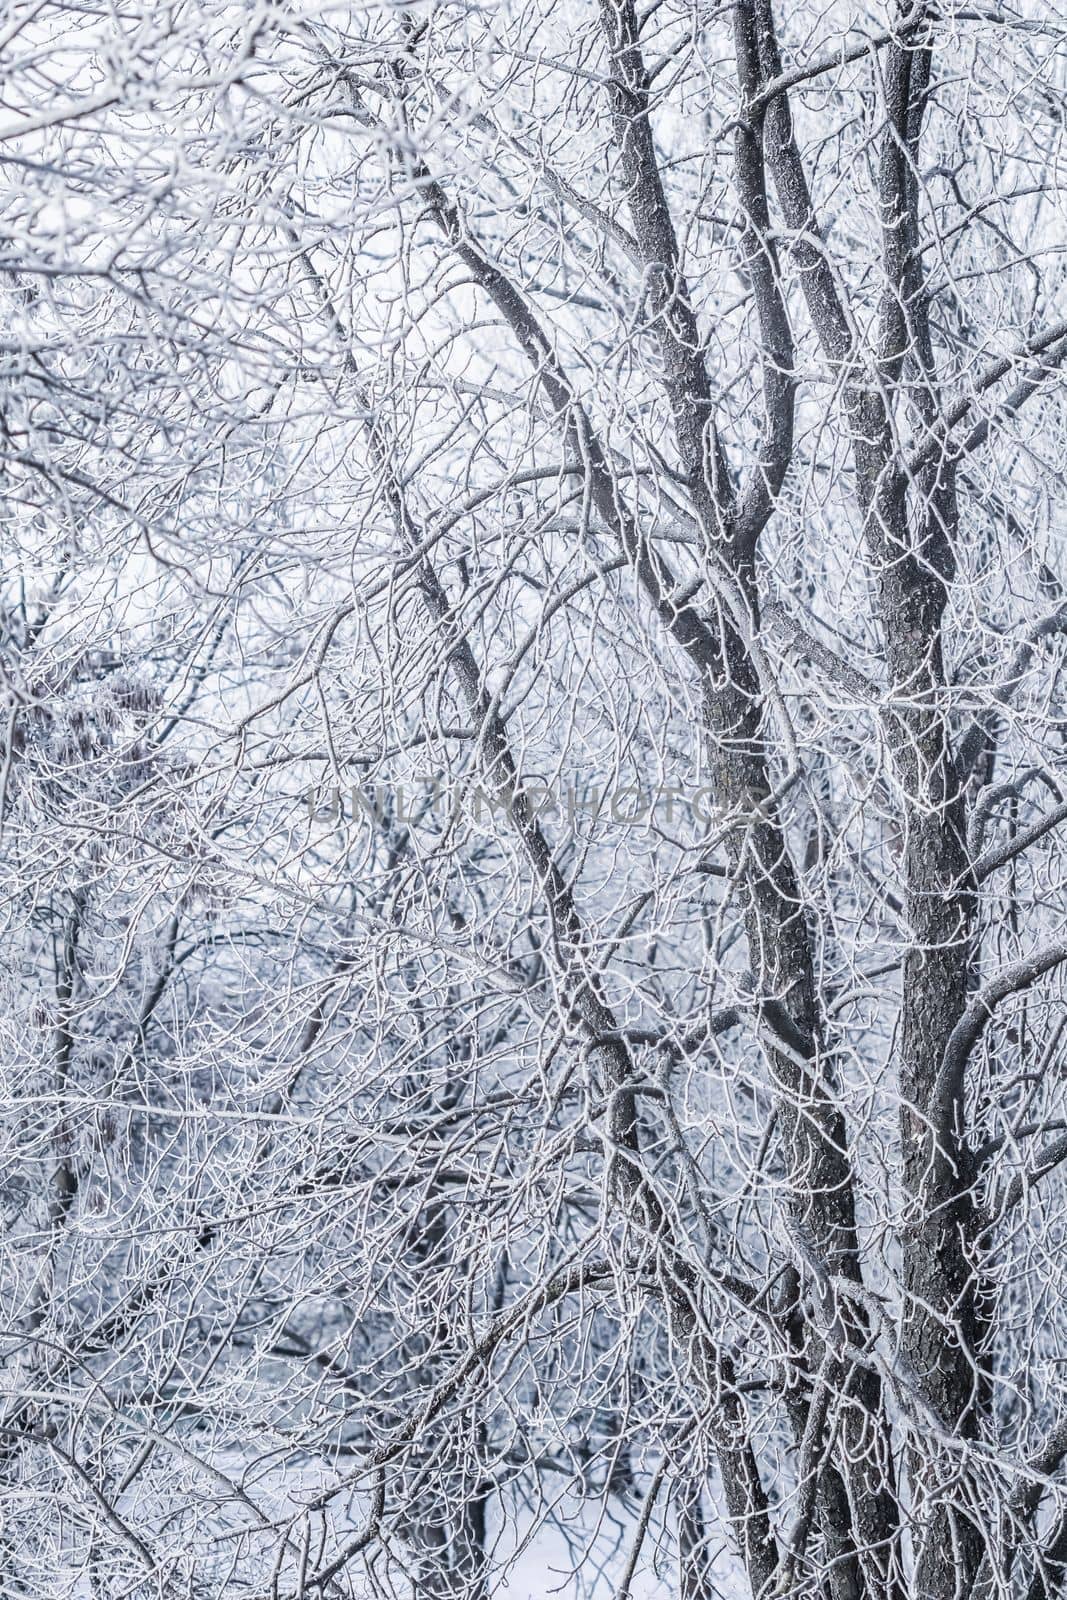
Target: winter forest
533	800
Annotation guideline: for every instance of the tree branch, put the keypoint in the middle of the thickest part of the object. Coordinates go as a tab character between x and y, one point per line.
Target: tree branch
972	1024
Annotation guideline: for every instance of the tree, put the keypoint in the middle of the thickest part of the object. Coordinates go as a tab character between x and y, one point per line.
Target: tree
534	766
